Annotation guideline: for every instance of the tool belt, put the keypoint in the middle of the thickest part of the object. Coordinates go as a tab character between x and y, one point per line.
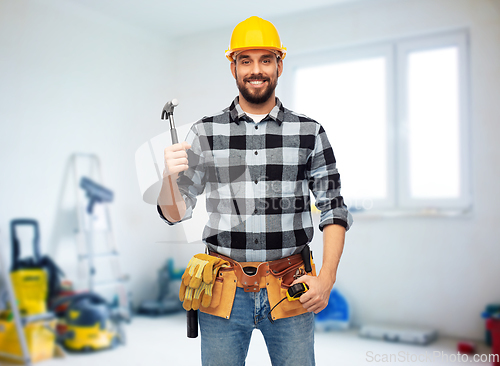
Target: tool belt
275	276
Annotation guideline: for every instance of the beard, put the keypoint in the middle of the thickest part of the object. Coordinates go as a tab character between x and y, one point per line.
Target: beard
256	96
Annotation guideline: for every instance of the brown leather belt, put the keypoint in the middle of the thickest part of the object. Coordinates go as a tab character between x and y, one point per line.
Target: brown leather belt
251	276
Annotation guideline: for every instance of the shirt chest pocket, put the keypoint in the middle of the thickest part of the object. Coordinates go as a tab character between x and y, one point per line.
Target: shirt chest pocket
230	174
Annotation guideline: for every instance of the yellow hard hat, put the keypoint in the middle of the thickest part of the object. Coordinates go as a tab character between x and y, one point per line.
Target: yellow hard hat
255	33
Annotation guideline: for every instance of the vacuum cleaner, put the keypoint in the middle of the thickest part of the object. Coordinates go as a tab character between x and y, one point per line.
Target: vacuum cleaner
89	324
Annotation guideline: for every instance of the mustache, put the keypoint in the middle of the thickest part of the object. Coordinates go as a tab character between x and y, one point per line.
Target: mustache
257	77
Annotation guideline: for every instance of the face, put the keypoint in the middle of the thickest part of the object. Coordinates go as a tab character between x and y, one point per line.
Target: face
256	73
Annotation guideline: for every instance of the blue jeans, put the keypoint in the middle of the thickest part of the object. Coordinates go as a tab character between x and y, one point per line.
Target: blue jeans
225	342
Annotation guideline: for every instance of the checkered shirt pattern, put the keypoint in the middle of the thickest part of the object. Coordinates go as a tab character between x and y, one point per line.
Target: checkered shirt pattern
257	178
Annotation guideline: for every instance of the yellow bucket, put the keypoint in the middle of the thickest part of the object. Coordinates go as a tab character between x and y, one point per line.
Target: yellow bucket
30	287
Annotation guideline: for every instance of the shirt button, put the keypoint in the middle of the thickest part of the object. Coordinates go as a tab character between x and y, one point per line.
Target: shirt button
256	152
256	241
256	127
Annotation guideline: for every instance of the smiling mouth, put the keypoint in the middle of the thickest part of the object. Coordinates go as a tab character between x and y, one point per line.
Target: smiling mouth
257	83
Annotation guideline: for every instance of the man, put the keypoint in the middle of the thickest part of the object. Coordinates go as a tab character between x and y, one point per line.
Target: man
256	162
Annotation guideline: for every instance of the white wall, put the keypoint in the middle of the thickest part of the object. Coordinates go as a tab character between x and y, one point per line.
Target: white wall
435	272
73	81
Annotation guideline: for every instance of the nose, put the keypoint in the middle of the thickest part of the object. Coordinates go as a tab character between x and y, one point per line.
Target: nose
256	68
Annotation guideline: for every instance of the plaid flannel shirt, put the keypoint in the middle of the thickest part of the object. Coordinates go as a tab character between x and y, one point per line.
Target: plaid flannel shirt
257	178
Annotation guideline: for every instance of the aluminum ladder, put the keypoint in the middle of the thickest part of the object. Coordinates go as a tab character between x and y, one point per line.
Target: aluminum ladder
90	226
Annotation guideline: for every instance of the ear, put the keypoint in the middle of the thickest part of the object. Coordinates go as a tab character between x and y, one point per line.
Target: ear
233	69
280	67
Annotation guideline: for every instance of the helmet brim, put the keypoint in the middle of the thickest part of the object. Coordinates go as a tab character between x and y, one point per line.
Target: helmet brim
231	53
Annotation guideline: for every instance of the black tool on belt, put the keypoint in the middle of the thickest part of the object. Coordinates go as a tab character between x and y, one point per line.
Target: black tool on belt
306	258
192	323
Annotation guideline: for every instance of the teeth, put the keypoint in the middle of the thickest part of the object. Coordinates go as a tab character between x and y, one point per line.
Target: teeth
256	82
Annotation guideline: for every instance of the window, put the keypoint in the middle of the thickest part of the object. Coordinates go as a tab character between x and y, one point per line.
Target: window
433	124
396	115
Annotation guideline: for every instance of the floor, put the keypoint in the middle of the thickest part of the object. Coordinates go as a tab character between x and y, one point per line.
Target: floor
163	341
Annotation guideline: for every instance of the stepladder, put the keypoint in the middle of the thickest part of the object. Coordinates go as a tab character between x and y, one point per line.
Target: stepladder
99	260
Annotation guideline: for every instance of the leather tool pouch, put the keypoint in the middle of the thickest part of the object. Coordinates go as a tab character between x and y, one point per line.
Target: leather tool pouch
275	276
281	277
222	294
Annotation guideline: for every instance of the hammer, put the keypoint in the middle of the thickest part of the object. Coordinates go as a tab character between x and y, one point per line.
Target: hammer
168	110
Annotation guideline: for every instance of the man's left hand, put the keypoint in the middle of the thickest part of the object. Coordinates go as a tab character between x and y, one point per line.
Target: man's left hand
316	298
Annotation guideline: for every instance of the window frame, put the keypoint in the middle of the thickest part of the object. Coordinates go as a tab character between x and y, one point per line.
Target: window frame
395	52
455	39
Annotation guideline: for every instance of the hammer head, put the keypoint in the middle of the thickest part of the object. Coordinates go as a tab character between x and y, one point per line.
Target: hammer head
169	108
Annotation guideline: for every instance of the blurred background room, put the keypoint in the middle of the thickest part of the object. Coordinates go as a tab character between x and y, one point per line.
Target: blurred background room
407	90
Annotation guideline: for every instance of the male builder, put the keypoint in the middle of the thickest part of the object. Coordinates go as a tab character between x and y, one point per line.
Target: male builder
256	161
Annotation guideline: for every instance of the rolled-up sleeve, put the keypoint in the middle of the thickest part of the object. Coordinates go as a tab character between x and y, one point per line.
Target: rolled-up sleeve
191	182
324	182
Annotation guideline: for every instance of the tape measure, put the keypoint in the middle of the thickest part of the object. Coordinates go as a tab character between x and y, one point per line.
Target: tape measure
295	291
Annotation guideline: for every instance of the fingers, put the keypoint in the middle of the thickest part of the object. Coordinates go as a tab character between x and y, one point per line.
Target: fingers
179	154
182	291
302	279
316	298
313	304
208	273
179	146
176	158
177	150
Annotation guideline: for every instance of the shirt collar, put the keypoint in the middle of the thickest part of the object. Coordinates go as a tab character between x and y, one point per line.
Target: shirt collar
236	112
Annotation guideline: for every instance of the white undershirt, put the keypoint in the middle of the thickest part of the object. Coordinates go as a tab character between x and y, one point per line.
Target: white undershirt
256	117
